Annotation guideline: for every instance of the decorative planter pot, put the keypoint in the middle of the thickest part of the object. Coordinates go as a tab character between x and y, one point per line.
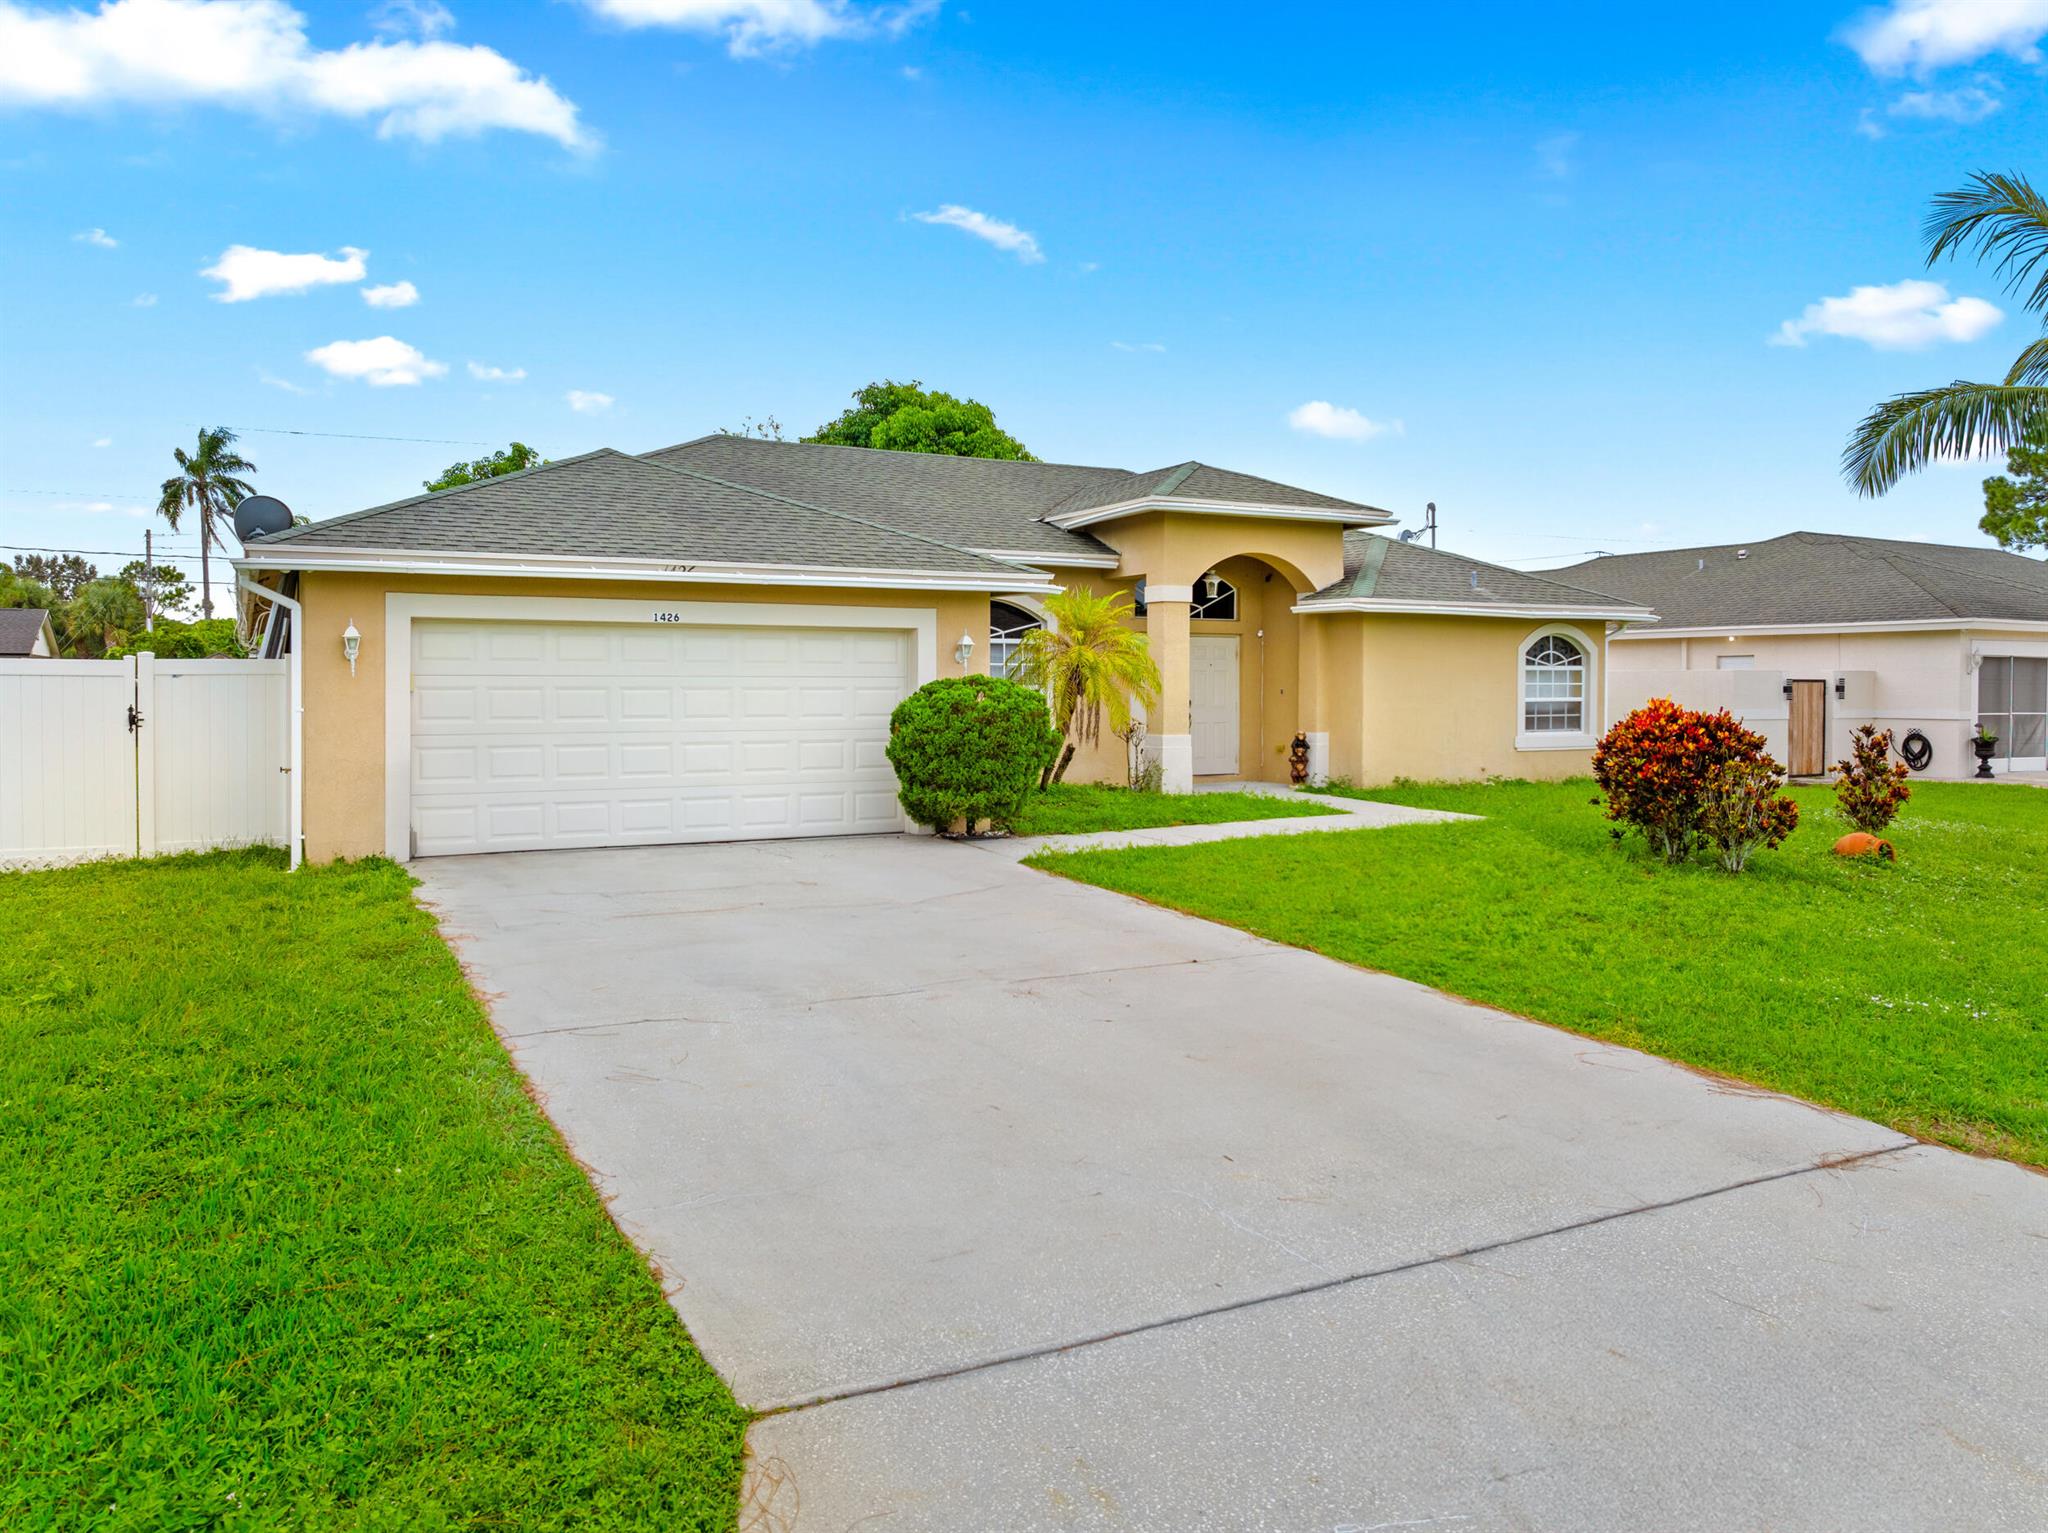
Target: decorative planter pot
1985	750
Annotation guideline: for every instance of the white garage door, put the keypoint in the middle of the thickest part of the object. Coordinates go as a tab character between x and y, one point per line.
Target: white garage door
529	735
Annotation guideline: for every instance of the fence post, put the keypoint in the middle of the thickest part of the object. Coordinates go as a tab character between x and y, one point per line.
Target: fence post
145	753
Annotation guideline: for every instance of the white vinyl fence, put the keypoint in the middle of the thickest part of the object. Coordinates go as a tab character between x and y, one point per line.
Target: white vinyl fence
125	758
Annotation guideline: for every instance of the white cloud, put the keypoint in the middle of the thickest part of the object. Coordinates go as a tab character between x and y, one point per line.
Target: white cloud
393	295
144	300
412	18
1002	235
272	381
589	401
1321	418
253	55
103	441
98	238
383	362
1966	103
483	374
1137	345
1923	35
1554	156
246	272
752	27
103	508
1900	316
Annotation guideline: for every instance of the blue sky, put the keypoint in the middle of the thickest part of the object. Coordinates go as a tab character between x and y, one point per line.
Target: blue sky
1534	264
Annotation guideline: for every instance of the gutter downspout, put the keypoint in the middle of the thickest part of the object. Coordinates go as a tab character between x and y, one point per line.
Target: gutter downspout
296	811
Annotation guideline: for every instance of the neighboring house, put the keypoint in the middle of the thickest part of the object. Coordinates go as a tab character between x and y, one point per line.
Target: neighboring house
1810	635
26	634
706	642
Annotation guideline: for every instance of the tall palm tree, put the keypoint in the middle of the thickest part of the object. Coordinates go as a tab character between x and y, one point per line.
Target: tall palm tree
1992	217
1088	664
208	481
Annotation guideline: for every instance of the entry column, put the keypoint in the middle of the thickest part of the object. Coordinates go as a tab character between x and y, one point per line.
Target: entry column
1167	730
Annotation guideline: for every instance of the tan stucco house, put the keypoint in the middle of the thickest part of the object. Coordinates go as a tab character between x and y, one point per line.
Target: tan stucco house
1811	635
705	642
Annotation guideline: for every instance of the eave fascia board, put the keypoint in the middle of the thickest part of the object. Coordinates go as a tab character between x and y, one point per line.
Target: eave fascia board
1031	557
1024	581
1363	516
1398	607
1899	625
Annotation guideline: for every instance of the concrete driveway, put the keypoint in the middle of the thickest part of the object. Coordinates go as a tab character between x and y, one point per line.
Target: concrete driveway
1024	1205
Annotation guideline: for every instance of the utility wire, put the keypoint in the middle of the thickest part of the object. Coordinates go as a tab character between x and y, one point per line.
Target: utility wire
350	436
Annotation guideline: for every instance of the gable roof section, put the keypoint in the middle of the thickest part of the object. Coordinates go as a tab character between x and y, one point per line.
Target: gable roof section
987	503
1816	579
607	506
1385	575
1193	481
20	627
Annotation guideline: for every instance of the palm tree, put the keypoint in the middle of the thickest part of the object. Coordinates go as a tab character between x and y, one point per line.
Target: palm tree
208	481
2000	217
1088	664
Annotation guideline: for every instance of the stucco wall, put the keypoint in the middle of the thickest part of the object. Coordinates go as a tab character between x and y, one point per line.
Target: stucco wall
1900	680
1437	699
344	714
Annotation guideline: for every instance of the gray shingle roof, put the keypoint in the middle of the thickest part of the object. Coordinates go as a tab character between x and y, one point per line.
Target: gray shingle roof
607	505
973	502
1805	578
18	629
1202	481
1386	569
970	502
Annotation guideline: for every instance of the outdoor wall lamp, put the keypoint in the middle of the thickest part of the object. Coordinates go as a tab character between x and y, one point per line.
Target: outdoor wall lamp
1211	585
1788	689
351	645
964	650
1841	688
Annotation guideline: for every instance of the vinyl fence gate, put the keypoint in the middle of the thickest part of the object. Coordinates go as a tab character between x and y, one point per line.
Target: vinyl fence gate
130	758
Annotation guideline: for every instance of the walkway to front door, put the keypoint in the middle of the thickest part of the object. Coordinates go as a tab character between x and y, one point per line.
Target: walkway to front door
1212	704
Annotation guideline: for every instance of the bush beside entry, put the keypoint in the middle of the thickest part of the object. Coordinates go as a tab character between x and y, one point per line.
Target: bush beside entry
967	749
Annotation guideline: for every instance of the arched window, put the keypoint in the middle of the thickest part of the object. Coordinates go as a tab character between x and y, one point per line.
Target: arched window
1553	686
1007	625
1220	608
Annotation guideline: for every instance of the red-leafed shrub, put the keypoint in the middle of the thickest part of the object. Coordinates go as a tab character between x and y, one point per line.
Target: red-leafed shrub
1743	810
1652	767
1869	785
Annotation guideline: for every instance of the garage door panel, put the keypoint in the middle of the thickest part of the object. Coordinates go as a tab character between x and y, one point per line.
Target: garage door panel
529	736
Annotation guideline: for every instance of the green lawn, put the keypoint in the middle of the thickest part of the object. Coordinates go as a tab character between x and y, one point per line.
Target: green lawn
1070	809
1915	994
285	1243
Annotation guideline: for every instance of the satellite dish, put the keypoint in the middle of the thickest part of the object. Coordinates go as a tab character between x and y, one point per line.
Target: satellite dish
261	515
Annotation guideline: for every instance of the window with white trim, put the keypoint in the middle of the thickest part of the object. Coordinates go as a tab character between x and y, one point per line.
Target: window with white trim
1007	625
1553	686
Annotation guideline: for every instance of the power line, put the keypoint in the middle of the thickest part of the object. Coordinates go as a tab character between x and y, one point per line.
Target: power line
350	436
111	553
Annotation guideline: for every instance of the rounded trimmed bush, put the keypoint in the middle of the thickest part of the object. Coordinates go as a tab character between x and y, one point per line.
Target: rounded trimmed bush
967	749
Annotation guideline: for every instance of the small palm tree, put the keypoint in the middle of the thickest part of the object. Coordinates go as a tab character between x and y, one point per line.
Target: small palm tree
208	481
1089	665
1992	216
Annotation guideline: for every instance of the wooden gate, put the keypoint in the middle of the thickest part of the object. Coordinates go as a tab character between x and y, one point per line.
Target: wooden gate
1808	731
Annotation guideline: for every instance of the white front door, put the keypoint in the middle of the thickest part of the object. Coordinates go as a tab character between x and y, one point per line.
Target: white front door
1212	704
529	735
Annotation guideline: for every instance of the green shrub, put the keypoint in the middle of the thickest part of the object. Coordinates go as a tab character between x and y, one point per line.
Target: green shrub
967	750
175	640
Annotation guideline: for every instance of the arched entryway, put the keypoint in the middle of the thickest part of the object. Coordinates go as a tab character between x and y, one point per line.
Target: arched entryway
1008	621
